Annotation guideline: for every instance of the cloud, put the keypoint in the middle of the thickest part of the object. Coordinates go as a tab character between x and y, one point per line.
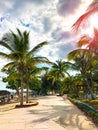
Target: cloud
5	5
17	7
50	51
59	34
39	2
47	24
67	7
65	48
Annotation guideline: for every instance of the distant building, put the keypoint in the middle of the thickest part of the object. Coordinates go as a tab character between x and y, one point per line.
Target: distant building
4	96
4	92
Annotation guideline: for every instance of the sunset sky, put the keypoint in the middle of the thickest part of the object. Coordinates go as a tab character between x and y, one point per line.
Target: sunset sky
47	20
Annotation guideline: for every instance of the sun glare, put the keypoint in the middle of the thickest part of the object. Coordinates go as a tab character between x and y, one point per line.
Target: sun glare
92	23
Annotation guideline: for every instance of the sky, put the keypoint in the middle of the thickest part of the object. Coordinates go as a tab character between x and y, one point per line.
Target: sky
47	20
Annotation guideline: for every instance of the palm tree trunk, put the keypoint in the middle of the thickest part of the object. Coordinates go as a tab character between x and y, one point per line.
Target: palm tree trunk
27	88
17	91
27	94
21	87
90	89
21	96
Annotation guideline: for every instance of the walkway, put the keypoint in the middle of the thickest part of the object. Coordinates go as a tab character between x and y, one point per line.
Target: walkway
52	113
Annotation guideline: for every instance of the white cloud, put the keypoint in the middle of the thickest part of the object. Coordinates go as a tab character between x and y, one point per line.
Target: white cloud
66	7
43	21
5	5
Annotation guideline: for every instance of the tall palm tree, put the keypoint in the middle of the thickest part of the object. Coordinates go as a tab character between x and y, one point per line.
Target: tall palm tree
19	52
83	20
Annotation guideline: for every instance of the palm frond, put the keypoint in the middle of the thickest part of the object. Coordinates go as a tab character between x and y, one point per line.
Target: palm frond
39	61
4	44
44	68
25	41
16	39
96	33
15	55
36	48
7	65
82	20
72	54
75	53
4	55
19	32
84	40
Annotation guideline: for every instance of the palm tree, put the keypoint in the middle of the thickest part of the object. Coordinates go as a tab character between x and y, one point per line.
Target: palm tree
19	52
28	72
83	20
58	71
90	42
32	70
85	61
60	68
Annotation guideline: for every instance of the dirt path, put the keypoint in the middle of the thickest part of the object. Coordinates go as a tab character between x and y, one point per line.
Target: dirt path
52	113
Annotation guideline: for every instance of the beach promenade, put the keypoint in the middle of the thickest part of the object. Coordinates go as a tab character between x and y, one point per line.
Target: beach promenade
52	113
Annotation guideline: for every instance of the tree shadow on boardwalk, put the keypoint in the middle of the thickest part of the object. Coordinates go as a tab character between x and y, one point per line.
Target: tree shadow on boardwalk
66	115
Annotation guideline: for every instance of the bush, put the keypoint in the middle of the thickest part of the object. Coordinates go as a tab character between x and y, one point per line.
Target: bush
94	101
72	95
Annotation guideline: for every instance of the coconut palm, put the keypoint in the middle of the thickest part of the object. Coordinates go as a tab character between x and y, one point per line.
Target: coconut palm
58	71
19	52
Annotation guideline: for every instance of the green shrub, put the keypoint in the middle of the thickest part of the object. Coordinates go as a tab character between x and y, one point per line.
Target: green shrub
72	95
88	110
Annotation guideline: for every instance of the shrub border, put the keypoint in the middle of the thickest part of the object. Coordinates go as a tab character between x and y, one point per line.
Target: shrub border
88	110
